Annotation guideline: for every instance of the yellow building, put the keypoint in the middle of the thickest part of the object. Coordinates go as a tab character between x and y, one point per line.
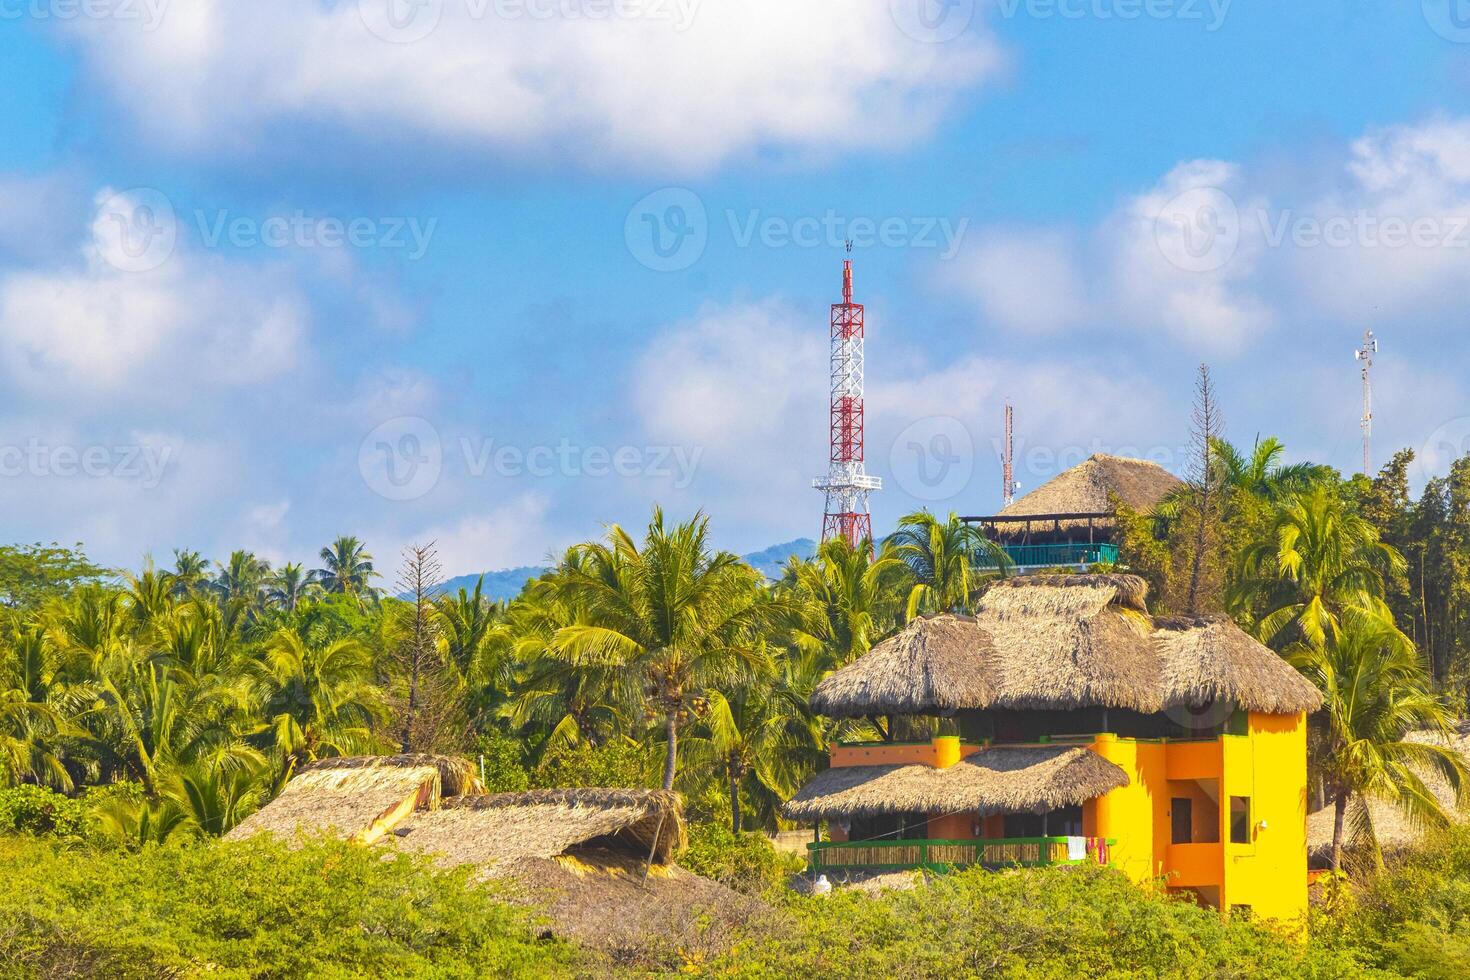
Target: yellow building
1076	727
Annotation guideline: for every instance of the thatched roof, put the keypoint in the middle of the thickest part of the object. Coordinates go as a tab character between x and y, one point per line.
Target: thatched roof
933	666
502	827
1092	486
1062	642
996	780
360	797
1212	659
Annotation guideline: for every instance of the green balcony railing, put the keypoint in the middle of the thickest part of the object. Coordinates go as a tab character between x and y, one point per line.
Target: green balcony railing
942	855
1050	555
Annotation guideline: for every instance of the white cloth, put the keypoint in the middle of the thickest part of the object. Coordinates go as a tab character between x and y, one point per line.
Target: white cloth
1076	848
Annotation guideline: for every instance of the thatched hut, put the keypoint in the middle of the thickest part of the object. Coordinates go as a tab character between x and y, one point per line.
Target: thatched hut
490	830
1077	722
361	797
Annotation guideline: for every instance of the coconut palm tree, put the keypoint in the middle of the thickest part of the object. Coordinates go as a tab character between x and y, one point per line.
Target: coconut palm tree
289	586
240	585
1376	692
682	618
940	556
321	698
1262	473
761	732
213	799
850	598
150	594
36	708
190	571
347	568
1318	559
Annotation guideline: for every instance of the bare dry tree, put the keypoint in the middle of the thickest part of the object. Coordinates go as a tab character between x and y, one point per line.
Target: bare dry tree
425	705
1207	425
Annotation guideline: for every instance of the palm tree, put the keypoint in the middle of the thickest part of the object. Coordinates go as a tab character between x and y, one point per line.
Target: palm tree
213	799
348	568
289	586
1319	558
850	599
321	698
1376	693
241	586
190	570
1262	474
682	618
150	593
940	558
761	730
36	708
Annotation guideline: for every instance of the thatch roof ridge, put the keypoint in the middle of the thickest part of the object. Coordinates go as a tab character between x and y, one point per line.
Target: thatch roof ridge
1128	589
1093	486
1010	779
497	828
934	665
457	775
1211	659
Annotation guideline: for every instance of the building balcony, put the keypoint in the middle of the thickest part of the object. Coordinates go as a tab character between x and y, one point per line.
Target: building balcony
1028	557
944	855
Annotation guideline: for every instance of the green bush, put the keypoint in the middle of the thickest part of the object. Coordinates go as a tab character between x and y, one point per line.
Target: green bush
619	763
1060	922
502	758
37	810
747	863
256	909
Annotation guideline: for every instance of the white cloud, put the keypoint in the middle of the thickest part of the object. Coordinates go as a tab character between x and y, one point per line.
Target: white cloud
95	328
731	79
1217	255
506	536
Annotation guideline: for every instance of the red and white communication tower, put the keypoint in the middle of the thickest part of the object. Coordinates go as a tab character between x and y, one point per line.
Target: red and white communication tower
846	485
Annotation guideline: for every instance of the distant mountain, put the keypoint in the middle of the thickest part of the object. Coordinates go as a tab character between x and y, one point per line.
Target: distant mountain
507	583
770	561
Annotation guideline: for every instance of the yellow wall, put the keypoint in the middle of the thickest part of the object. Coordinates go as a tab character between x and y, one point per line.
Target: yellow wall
1268	765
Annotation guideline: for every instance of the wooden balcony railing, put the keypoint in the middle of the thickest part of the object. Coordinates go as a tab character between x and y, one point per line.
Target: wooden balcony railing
942	855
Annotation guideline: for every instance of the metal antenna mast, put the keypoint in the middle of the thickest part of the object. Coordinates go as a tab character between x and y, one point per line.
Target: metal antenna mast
847	485
1008	484
1365	354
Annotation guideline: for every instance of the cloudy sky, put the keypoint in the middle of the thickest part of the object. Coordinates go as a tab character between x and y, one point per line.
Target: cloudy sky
497	272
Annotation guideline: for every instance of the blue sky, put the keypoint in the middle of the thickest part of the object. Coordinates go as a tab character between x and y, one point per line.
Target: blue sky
276	271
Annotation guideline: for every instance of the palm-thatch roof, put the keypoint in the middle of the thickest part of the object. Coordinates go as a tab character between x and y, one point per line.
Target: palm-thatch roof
503	827
995	780
360	797
1094	485
934	665
1063	642
1212	660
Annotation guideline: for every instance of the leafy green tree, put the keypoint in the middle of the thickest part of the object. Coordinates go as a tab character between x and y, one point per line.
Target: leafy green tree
684	618
1376	693
30	574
